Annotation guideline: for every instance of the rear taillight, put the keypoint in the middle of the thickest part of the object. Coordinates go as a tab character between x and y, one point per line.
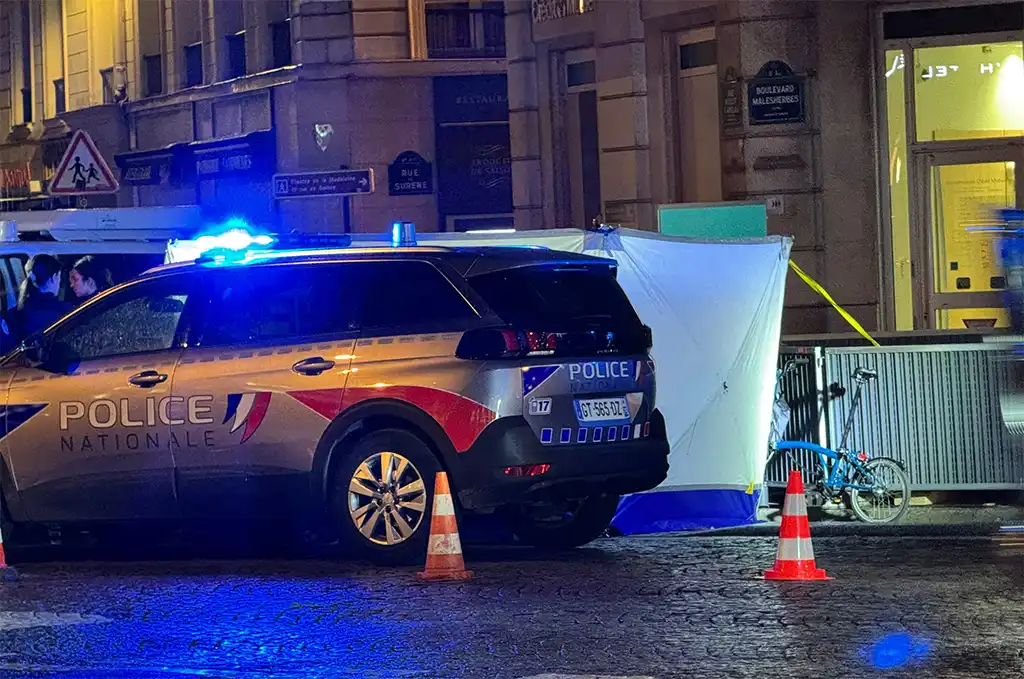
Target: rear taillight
527	470
497	343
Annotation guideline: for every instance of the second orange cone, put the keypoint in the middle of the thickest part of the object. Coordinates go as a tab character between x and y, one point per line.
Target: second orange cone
795	558
444	549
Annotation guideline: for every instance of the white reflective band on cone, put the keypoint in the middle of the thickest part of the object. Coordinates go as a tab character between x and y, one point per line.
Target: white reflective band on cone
443	505
796	505
795	549
445	544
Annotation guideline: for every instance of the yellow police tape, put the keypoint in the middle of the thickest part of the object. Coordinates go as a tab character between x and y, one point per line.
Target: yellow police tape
814	285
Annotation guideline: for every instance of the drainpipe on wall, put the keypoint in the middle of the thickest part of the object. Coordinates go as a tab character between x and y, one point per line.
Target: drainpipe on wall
120	34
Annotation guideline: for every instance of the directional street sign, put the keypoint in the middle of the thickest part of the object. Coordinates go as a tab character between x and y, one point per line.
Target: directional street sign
330	183
82	170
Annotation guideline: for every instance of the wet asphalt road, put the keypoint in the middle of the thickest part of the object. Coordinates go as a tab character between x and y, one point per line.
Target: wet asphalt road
650	607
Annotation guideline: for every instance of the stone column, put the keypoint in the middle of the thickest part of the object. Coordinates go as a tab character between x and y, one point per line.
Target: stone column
257	36
322	31
381	29
171	49
214	49
622	115
524	117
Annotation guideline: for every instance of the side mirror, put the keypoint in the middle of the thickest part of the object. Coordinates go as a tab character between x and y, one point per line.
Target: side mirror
56	358
648	337
32	349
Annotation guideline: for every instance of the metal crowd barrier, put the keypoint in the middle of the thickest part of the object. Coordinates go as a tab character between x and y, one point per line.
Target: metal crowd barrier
933	407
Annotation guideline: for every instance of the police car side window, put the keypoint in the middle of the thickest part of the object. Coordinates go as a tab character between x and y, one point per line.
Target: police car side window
143	318
410	296
281	303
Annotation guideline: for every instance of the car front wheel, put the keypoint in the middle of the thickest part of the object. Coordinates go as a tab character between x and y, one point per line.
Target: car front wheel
383	491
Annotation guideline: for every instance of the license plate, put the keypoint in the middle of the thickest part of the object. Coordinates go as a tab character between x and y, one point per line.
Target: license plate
602	410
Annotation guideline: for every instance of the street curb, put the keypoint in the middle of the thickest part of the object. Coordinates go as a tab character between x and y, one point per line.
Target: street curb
852	528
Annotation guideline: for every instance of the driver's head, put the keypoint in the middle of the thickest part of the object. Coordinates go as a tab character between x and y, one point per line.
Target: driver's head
43	272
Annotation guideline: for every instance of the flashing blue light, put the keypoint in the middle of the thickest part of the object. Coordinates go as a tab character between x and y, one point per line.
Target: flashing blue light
235	239
403	234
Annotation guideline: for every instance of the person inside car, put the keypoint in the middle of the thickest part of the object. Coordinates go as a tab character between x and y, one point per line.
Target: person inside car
38	304
88	278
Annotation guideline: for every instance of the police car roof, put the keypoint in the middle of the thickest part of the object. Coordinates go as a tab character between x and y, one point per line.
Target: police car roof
467	261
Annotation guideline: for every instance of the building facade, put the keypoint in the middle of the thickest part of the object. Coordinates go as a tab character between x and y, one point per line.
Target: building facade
879	133
204	101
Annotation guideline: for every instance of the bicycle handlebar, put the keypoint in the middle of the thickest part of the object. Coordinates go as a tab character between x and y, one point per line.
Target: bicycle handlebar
792	364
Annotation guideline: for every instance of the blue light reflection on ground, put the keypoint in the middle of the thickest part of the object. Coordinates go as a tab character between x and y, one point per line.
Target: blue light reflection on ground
897	650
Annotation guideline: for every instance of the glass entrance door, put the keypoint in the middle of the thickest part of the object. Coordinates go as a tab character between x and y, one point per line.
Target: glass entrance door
963	282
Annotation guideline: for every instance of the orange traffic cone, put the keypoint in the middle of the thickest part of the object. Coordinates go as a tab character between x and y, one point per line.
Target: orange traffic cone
444	551
7	573
795	558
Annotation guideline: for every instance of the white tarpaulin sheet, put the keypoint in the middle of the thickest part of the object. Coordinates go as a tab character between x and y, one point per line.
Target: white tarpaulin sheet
715	308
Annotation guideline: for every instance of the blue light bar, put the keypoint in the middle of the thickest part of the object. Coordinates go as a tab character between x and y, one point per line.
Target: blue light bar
403	234
235	240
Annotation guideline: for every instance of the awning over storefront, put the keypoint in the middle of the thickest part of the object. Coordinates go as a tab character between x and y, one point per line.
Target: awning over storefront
148	168
251	155
26	166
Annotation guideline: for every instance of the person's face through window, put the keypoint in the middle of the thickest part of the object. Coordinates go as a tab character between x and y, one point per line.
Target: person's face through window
82	287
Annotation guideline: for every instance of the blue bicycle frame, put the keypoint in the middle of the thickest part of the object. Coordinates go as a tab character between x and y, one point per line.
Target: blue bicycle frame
837	472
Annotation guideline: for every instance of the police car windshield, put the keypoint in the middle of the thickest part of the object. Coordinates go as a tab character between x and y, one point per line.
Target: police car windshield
557	298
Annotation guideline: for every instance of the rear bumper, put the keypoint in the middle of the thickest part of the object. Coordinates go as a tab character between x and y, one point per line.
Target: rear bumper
576	471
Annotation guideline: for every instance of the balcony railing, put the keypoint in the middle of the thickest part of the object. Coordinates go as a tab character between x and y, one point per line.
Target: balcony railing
458	31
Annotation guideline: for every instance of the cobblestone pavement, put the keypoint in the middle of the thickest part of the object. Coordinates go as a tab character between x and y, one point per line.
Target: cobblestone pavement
626	607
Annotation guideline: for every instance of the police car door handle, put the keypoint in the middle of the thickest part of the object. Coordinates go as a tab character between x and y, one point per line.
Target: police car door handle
147	379
312	366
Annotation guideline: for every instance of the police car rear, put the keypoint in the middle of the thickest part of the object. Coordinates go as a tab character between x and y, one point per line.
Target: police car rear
574	356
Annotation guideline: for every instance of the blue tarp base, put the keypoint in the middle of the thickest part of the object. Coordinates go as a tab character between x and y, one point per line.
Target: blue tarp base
675	510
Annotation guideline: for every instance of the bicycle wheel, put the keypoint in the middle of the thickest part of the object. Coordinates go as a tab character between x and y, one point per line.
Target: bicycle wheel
889	498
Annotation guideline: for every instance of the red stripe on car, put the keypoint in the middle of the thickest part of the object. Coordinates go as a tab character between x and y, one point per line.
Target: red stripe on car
463	419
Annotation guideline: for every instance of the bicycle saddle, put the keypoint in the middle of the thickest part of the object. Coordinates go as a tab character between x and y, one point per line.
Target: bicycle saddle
865	374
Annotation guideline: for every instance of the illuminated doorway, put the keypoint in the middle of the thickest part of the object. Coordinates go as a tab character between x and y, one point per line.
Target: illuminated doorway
954	119
962	280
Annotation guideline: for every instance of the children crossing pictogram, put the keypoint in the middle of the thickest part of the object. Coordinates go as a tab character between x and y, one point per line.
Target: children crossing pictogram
82	170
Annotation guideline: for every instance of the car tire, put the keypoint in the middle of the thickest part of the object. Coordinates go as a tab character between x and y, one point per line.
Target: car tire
362	466
585	523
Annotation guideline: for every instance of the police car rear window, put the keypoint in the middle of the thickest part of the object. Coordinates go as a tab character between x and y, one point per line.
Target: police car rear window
553	298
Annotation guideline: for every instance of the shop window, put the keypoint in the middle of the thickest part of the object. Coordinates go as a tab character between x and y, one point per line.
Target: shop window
899	193
236	55
59	97
463	30
969	91
963	196
154	71
107	78
281	43
194	64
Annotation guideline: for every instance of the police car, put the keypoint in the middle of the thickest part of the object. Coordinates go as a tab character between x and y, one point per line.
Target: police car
332	384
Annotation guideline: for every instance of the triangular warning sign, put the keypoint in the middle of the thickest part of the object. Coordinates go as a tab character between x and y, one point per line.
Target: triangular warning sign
82	170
